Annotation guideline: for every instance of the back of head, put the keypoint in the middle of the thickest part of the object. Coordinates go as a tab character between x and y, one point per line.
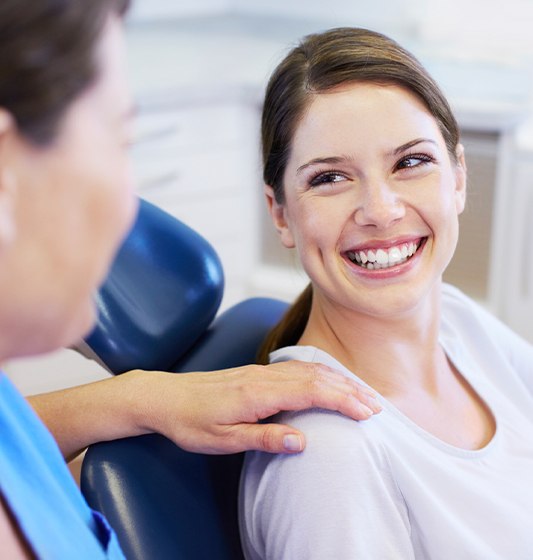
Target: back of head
320	63
47	49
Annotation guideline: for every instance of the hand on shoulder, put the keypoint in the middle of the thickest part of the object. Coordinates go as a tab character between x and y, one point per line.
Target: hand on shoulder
218	412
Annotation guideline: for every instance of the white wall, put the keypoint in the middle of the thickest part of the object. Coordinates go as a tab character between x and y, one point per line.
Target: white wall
485	29
153	10
56	370
385	15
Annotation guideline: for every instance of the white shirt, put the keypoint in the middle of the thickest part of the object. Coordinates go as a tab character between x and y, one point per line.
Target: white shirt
387	489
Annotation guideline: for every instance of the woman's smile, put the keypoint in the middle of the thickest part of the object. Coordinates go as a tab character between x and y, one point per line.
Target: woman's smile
384	263
379	255
382	260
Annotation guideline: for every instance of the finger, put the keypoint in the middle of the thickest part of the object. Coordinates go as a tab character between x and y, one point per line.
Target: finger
272	438
299	371
347	388
358	395
317	386
346	399
346	403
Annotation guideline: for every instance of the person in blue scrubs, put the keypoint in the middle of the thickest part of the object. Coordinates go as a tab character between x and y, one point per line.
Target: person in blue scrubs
66	203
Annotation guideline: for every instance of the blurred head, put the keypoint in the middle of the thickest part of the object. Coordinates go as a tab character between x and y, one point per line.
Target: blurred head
66	198
49	58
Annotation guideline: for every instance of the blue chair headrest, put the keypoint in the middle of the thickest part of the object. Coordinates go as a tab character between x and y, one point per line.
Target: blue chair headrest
161	294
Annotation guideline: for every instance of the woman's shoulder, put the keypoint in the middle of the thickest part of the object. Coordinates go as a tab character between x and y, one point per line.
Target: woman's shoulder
463	317
336	440
343	472
453	297
325	428
338	450
468	319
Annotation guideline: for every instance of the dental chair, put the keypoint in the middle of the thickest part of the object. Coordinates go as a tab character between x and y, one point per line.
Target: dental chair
157	311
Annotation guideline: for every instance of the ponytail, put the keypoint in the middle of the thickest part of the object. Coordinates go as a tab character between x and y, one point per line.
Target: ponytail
291	327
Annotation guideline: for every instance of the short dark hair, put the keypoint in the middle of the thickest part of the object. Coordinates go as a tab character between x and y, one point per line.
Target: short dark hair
47	58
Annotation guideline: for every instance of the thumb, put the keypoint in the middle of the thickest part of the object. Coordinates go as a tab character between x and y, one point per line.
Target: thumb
273	438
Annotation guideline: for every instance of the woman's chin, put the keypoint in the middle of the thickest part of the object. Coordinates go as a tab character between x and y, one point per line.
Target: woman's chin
76	327
84	322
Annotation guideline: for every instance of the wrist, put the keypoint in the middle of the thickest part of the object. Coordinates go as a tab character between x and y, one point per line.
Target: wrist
143	393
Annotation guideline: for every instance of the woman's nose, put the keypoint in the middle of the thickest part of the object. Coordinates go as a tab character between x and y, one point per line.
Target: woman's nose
379	206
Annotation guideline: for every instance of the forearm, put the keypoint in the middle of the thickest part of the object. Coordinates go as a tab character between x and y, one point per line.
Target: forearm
204	412
100	411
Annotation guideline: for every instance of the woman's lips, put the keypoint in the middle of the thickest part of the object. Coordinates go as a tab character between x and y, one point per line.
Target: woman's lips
387	256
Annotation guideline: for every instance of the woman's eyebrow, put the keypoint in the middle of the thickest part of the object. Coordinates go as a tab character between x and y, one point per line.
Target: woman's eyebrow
411	144
344	159
315	161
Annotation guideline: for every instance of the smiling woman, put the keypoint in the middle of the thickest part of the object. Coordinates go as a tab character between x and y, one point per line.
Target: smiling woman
386	191
366	178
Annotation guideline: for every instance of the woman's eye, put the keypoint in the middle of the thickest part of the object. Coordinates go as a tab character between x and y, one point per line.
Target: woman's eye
326	178
412	161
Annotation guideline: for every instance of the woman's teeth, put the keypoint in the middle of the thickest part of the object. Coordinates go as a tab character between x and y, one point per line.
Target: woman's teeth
384	258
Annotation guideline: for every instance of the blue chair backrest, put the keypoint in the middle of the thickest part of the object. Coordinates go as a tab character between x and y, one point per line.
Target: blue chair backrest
162	292
162	501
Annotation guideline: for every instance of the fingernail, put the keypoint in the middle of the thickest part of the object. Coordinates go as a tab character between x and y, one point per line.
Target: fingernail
368	411
374	405
292	442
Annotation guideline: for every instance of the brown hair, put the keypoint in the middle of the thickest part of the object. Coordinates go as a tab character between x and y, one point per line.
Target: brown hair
320	63
48	58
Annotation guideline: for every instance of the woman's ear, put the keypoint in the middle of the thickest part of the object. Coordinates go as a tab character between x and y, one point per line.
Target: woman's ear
7	185
277	213
460	179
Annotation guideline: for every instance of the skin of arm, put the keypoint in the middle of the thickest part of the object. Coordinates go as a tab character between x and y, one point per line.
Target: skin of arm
204	412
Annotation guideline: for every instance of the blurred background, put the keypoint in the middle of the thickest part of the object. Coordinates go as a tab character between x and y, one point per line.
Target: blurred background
198	70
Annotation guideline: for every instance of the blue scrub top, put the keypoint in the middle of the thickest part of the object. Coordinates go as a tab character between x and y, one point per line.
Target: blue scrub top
40	491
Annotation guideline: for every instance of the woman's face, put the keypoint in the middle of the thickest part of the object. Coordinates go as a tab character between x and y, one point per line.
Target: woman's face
73	204
372	199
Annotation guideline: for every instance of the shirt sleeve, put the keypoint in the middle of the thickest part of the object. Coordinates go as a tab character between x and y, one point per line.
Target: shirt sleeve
337	499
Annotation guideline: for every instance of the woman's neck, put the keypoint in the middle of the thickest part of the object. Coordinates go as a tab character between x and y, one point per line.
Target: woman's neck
401	358
390	353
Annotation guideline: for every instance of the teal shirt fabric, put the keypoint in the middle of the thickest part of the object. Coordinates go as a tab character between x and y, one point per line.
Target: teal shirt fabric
40	491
